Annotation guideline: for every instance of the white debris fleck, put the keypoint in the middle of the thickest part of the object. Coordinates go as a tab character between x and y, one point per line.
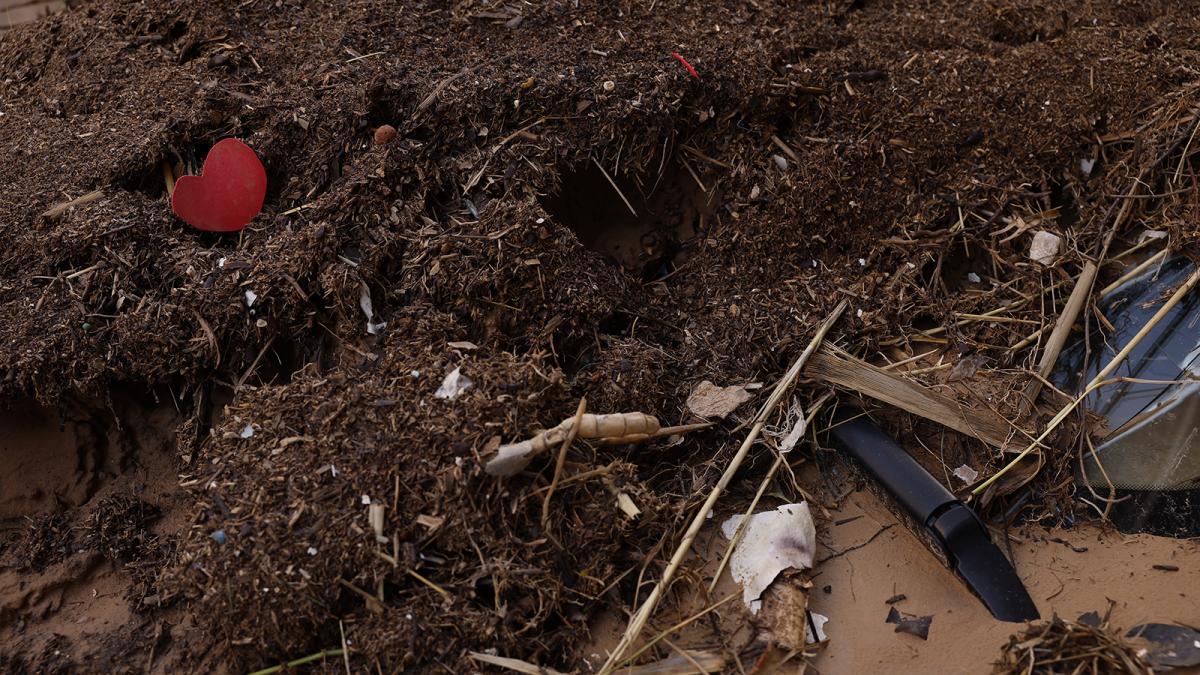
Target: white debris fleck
1147	235
221	262
773	541
414	374
818	626
780	161
1044	247
364	302
312	551
862	262
973	278
251	296
1085	166
797	432
966	474
454	384
366	500
247	431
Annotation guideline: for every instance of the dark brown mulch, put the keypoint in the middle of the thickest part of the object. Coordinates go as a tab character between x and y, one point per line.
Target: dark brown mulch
860	150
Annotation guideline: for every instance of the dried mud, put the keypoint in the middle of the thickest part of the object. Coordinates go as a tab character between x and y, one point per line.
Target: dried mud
196	423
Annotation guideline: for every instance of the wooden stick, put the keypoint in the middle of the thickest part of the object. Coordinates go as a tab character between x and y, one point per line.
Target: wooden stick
59	209
762	488
1097	381
614	186
1058	338
1078	299
562	460
638	622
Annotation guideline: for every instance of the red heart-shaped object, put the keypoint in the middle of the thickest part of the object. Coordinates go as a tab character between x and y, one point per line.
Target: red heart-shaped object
227	194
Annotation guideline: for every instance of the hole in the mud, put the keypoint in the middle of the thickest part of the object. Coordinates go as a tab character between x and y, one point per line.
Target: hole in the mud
641	223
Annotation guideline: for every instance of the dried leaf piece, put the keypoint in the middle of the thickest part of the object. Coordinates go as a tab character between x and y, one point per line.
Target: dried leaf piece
910	623
773	541
454	384
708	400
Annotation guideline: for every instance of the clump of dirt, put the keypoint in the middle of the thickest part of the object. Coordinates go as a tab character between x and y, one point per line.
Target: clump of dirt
566	211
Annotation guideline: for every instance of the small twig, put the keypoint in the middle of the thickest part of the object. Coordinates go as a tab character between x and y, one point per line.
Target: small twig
444	593
614	186
345	650
59	209
638	622
319	656
838	554
562	460
682	624
439	88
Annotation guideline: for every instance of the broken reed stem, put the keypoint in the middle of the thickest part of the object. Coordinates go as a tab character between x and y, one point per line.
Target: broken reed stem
1145	265
1077	301
638	622
1098	380
614	186
562	460
762	487
441	591
169	178
1062	329
321	655
59	209
679	626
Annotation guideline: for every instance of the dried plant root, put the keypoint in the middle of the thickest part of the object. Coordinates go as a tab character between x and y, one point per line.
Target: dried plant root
611	429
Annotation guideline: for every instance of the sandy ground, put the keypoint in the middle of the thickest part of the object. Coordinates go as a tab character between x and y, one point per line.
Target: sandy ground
1067	572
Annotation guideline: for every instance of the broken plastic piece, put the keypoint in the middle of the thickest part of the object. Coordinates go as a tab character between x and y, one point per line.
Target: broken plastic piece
1150	450
961	536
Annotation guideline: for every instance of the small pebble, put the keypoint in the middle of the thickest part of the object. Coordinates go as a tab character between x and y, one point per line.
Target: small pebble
385	134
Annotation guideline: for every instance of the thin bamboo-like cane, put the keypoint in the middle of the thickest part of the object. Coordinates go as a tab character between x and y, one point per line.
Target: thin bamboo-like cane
1097	381
639	619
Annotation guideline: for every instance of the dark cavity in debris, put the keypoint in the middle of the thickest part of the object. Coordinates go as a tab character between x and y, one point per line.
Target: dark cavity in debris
644	224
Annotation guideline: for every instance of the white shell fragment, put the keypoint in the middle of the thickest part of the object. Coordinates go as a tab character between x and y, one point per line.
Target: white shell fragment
454	384
773	541
1044	247
966	474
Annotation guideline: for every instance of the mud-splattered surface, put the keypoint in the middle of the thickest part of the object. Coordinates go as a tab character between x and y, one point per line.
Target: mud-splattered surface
566	211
